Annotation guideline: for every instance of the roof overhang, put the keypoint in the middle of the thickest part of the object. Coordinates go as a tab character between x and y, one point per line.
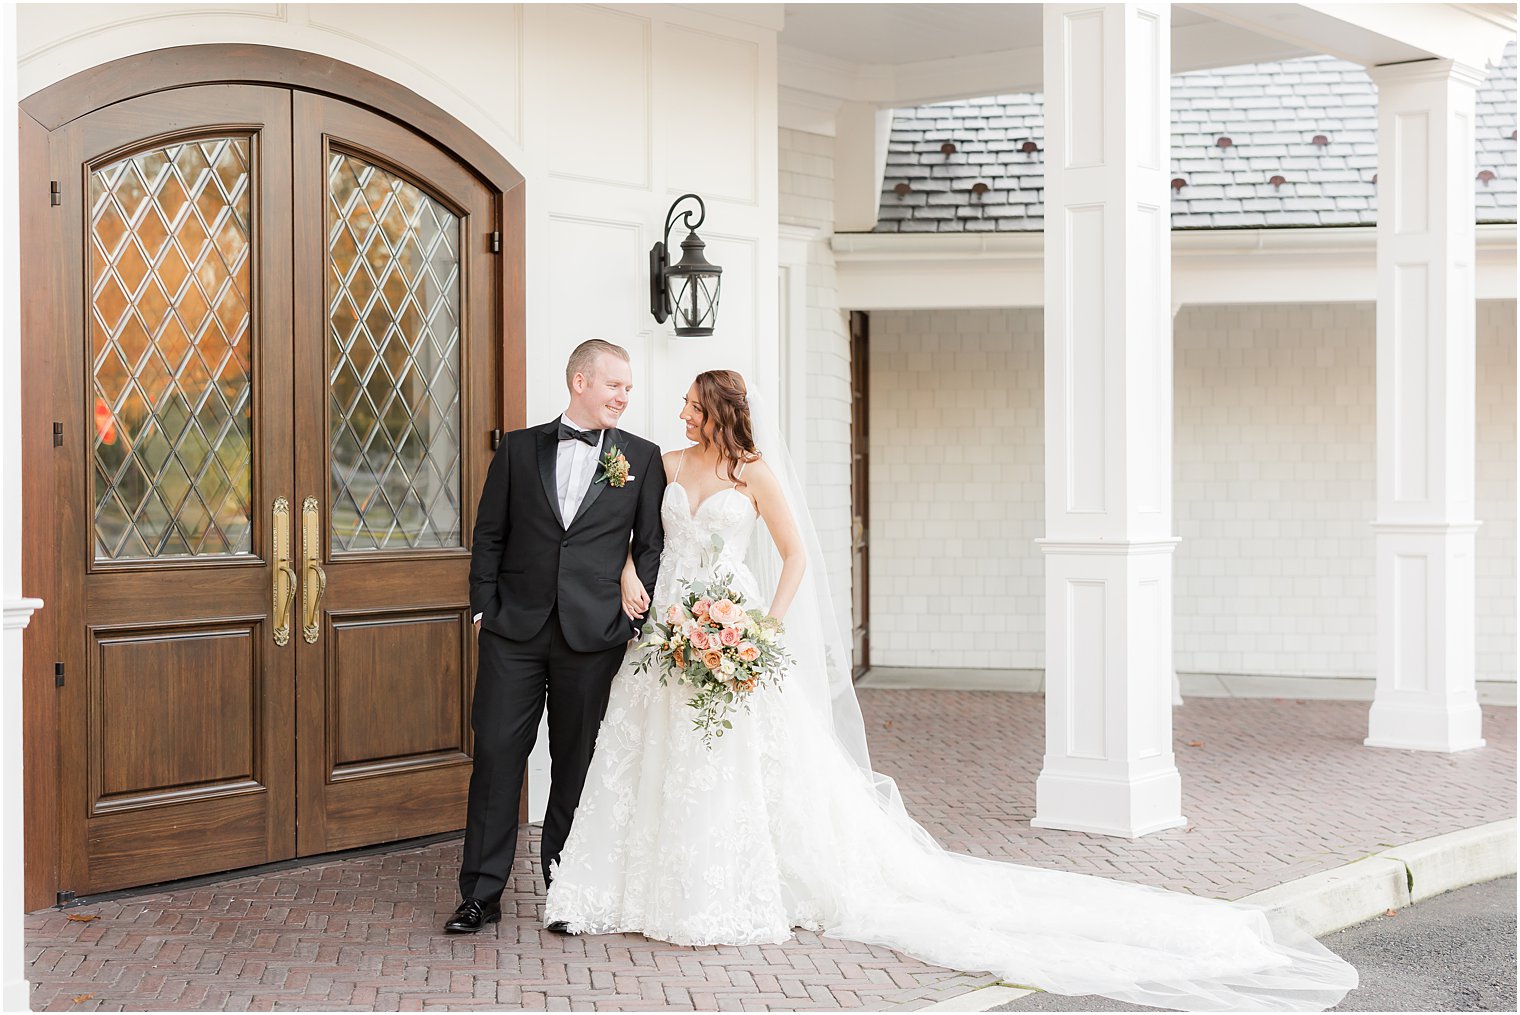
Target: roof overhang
893	55
1378	33
937	271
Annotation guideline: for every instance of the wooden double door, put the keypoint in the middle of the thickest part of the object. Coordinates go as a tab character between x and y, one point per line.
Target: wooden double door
274	376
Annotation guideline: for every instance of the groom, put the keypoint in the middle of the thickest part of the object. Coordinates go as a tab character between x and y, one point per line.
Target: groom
557	519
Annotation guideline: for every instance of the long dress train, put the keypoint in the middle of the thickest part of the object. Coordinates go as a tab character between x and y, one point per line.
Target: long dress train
777	827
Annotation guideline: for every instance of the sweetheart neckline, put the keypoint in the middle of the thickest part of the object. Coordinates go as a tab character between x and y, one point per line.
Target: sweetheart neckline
691	512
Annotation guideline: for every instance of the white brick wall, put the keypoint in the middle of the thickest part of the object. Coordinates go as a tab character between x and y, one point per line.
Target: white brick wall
1274	487
1495	550
957	454
807	198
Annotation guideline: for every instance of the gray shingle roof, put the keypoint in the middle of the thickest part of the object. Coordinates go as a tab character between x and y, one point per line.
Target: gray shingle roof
1271	113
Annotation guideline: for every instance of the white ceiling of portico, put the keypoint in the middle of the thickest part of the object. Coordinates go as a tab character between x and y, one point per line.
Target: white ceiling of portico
910	33
900	54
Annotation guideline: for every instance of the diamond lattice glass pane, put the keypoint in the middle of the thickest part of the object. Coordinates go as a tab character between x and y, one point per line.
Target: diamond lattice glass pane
393	361
170	325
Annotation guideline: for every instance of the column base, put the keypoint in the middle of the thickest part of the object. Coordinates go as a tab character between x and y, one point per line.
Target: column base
1425	726
1126	807
16	995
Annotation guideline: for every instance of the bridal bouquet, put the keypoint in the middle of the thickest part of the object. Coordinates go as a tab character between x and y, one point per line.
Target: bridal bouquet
712	643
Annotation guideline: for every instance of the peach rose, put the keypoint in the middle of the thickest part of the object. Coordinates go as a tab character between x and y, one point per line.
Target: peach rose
673	615
730	636
726	611
679	655
700	640
748	652
712	659
701	607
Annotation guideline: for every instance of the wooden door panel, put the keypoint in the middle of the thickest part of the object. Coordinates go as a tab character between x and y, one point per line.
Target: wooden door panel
116	598
147	684
164	843
173	383
397	340
389	807
377	661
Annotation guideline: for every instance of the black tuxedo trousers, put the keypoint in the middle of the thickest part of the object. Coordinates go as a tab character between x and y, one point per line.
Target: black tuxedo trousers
553	632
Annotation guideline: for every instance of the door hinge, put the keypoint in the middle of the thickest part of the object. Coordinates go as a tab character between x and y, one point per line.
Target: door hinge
55	193
58	674
65	897
495	439
57	434
496	242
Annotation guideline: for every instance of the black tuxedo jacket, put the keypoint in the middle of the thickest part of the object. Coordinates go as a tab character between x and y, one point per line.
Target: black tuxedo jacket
524	560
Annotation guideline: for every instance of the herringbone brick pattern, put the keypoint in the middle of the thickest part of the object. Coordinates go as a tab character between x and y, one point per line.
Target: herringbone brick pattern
1272	789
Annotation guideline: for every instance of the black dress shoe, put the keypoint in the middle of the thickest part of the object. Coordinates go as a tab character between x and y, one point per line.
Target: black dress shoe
558	927
472	915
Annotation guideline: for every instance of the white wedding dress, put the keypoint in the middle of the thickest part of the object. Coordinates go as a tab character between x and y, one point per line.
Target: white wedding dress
778	827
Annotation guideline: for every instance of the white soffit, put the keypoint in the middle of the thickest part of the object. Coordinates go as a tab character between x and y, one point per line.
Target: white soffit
951	271
910	54
1379	33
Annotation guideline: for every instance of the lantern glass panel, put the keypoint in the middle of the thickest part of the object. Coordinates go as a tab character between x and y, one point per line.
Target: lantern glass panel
694	298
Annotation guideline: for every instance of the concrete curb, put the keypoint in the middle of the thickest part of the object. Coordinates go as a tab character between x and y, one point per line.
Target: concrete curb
1357	891
1394	878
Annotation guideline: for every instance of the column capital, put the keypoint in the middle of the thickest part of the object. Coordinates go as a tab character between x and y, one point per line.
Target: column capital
1428	70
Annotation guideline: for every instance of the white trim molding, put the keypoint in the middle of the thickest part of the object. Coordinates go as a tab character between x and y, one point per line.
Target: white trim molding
961	271
1115	548
18	612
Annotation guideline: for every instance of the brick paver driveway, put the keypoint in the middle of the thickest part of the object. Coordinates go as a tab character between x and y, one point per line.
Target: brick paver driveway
1273	790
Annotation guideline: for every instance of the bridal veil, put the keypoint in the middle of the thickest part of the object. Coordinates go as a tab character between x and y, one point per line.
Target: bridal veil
1066	933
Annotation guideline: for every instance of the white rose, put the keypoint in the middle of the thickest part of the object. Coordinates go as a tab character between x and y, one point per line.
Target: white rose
727	667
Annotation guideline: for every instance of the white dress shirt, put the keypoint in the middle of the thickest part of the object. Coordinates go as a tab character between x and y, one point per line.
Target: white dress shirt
573	470
574	465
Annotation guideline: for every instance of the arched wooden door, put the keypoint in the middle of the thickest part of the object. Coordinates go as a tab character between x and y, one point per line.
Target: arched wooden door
276	363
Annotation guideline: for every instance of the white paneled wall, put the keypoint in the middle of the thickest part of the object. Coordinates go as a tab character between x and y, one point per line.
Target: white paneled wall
806	176
591	103
1274	487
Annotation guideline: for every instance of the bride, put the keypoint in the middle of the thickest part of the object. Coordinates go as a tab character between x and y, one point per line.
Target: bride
782	823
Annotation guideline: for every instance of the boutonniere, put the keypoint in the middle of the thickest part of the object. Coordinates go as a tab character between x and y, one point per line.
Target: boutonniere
614	468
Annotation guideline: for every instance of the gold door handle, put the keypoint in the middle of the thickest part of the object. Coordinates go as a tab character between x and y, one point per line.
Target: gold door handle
315	584
284	574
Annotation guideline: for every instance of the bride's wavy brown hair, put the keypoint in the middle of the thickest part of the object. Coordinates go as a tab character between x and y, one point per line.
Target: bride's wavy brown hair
725	404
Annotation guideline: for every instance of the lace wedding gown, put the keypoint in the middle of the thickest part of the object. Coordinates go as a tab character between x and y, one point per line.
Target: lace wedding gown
776	827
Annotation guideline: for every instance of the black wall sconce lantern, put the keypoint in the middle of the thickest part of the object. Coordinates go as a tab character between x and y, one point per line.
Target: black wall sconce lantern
687	289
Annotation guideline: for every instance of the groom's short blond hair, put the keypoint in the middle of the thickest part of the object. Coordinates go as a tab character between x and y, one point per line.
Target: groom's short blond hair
583	359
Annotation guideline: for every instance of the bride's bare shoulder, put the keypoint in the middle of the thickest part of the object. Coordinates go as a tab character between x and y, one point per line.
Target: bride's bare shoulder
671	460
758	472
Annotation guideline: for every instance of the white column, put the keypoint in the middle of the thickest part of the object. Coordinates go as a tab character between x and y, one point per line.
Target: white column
17	610
15	994
1108	766
1425	696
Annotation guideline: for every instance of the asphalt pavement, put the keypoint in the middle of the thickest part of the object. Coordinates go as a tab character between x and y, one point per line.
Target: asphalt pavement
1455	952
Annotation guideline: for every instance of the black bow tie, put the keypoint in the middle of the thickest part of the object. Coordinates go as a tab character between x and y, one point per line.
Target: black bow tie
570	433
